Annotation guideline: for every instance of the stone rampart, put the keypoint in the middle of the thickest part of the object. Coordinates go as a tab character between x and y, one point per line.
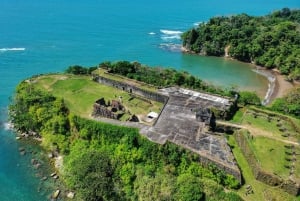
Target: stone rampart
228	170
132	89
259	174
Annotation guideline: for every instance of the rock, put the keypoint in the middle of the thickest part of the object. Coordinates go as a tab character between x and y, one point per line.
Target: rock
37	165
23	153
50	155
71	195
53	174
21	149
34	161
44	178
56	194
55	177
18	137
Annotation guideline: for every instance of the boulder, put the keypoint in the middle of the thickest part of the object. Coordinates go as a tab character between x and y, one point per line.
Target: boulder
71	195
56	194
50	155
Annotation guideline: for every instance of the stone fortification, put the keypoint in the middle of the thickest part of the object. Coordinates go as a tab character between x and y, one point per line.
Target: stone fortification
178	124
273	180
132	89
181	123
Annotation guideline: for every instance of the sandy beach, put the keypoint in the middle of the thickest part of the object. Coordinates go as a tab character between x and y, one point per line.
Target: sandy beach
282	87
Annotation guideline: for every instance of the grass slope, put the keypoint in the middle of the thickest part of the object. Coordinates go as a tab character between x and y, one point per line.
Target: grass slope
80	93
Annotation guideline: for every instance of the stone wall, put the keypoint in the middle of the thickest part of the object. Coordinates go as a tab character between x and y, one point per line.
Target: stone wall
102	111
259	174
234	172
132	89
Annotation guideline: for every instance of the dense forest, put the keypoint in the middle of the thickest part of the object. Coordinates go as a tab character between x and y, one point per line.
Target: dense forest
272	41
109	162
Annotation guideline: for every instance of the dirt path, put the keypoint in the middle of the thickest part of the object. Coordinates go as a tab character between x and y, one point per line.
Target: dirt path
257	132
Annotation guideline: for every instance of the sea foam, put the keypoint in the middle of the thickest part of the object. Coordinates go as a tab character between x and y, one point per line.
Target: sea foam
170	35
8	126
12	49
170	32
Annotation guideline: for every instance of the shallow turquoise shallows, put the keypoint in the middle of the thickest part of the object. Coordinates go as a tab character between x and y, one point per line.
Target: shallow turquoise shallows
47	36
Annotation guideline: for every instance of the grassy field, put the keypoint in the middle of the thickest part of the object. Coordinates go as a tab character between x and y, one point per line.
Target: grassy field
271	155
261	190
80	93
271	127
269	144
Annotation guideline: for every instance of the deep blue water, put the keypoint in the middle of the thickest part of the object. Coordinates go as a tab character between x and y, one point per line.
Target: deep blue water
52	34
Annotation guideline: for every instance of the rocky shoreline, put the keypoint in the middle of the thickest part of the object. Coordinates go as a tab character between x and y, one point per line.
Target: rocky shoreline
46	165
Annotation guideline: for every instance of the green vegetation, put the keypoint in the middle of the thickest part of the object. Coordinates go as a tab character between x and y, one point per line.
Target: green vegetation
272	126
273	138
290	104
267	151
80	93
261	191
270	41
109	162
80	70
162	77
249	98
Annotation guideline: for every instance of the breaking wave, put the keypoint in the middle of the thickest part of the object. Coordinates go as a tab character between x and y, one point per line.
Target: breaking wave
271	85
169	35
12	49
170	32
7	126
197	24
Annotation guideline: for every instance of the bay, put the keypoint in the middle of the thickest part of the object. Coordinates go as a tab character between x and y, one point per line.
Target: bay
47	36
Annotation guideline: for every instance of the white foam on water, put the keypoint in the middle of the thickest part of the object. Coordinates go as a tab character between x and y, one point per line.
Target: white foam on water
197	24
170	32
8	126
151	33
177	37
271	85
12	49
170	35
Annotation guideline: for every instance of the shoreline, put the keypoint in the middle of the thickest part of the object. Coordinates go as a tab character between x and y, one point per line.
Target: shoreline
277	85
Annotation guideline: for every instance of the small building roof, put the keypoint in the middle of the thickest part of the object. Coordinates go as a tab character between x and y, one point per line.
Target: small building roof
152	115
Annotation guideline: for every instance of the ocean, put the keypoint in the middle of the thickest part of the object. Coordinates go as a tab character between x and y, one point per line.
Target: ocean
48	36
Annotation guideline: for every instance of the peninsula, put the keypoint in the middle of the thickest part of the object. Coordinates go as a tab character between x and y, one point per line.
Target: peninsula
128	131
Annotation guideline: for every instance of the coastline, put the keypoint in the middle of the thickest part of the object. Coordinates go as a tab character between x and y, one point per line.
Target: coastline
277	85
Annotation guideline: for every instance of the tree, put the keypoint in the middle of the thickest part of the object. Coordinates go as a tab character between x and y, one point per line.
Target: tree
90	173
189	188
248	98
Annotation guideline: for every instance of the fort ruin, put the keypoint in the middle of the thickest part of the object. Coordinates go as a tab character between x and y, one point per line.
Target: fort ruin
188	120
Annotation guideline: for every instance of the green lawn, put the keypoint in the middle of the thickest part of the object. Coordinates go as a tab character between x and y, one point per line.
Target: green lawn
261	190
80	93
271	155
270	126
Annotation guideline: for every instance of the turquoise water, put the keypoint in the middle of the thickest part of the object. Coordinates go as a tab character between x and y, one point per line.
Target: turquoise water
47	36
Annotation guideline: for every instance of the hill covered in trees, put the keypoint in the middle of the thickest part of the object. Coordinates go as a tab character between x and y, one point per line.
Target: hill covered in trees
272	41
110	162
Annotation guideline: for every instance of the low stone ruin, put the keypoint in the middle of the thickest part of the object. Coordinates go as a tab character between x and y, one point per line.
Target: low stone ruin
101	109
